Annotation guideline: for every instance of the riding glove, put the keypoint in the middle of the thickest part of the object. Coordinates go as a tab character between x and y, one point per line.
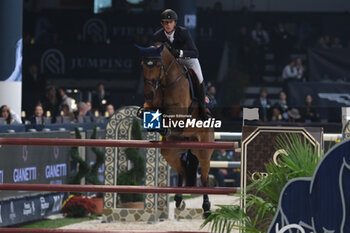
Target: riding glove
175	52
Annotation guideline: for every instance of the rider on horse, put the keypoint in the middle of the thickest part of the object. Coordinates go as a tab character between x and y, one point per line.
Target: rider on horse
183	48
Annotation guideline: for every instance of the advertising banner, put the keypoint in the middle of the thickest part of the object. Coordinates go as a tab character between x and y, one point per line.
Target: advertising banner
329	64
34	164
30	208
83	61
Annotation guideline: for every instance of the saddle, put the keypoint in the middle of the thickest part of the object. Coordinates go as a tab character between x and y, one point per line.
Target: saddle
194	89
194	85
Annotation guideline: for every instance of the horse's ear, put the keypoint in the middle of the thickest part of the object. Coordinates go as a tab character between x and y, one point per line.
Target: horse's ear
142	49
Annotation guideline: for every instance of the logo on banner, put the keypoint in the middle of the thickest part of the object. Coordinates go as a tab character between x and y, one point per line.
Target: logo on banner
52	60
151	120
57	203
56	152
190	21
28	208
95	27
55	170
25	153
24	174
342	98
12	215
43	206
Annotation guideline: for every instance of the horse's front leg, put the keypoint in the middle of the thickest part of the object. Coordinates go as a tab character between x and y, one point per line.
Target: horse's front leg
146	107
173	159
204	161
206	202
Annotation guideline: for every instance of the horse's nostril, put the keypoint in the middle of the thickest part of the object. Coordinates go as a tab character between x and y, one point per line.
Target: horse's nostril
149	95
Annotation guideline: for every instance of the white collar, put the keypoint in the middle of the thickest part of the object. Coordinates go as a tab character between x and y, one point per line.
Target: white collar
170	36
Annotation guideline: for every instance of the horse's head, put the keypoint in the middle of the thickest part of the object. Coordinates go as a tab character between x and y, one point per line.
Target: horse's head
153	70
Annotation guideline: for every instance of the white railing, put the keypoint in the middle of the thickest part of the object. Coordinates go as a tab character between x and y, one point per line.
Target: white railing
237	136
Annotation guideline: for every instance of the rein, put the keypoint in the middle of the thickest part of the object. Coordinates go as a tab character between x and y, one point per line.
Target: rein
166	74
156	82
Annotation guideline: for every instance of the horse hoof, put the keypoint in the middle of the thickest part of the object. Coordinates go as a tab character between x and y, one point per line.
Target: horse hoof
206	214
206	206
139	113
178	200
182	206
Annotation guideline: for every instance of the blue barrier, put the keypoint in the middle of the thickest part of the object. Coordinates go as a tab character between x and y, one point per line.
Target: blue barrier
51	127
15	128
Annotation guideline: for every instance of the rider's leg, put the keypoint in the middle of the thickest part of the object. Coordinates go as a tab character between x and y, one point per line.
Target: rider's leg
193	63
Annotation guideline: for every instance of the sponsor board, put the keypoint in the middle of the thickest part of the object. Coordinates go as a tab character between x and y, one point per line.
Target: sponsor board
30	208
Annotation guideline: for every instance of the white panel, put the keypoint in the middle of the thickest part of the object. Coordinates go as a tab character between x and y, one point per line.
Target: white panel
11	95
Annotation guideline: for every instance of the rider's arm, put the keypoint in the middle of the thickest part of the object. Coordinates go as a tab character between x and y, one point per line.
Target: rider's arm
190	49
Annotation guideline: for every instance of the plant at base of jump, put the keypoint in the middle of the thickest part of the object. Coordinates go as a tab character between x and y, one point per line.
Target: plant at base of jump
85	170
262	195
78	206
135	175
77	159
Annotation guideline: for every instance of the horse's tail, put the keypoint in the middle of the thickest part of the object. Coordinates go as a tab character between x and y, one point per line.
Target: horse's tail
191	165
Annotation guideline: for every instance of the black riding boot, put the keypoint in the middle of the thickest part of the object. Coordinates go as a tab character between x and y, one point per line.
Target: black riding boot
203	111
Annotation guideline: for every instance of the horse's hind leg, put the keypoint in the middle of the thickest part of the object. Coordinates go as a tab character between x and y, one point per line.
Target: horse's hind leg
191	166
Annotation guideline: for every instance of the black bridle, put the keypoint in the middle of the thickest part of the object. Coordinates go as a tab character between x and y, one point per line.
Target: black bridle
151	62
157	82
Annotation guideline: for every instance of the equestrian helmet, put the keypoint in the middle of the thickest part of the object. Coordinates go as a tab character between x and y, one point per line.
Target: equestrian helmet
168	15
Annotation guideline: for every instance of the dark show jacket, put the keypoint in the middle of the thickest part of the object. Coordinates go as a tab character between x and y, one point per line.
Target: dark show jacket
182	40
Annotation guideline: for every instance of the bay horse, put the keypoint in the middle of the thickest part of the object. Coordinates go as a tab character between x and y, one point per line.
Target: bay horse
167	88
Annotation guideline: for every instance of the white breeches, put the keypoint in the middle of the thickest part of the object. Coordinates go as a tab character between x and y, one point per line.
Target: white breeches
193	63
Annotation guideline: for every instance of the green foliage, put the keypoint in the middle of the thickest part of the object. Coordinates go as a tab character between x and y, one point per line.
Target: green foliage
92	176
83	165
85	170
263	193
134	176
57	223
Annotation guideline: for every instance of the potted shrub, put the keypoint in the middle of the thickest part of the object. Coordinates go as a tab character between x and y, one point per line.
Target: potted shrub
78	206
264	193
135	175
